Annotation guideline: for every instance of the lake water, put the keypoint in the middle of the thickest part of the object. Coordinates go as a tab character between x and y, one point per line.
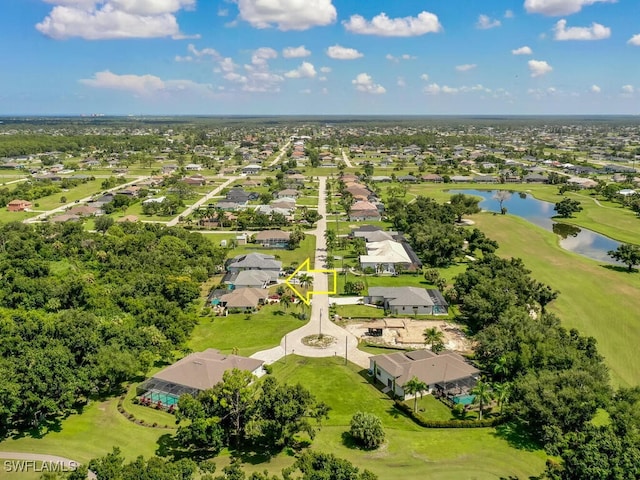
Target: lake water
579	240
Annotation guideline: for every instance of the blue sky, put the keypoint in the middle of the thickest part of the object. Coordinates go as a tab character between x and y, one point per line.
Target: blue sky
320	57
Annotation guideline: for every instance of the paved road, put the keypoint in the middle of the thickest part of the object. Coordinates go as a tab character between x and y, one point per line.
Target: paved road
319	321
283	150
346	159
61	209
37	457
200	202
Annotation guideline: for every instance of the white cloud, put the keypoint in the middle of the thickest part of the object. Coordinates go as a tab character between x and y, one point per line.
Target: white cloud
322	79
227	65
556	8
404	56
287	14
522	51
364	83
384	26
144	85
628	89
635	40
401	82
424	76
223	12
305	70
508	14
262	55
342	53
195	54
466	67
595	89
113	19
325	69
485	22
539	68
295	52
435	89
594	32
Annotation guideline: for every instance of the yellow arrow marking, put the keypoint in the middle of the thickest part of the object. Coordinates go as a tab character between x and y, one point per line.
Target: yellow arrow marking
305	266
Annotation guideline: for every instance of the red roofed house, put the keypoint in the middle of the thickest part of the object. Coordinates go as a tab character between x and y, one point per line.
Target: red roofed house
18	205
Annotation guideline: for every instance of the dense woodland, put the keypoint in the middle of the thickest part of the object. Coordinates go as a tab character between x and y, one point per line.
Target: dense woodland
82	312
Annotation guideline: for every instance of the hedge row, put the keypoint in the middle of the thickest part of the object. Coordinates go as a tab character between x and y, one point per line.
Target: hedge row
423	422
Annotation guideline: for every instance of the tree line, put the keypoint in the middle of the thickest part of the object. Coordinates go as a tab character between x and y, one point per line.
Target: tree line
82	312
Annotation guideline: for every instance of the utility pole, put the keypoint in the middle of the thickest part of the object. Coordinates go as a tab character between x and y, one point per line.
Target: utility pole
320	324
346	349
285	349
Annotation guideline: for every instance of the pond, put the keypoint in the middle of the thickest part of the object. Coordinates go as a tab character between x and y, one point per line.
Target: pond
579	240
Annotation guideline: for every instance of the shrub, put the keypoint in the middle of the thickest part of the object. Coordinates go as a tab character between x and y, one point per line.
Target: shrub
268	369
366	429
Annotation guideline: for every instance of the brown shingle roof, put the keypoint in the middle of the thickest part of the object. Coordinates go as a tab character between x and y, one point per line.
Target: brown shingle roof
203	370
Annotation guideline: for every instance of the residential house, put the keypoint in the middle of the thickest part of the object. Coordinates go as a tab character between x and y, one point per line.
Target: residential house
385	257
486	179
193	374
408	300
407	179
256	261
195	180
244	299
287	193
381	179
372	233
65	217
168	169
535	178
193	167
18	205
247	279
363	210
432	178
445	373
582	182
273	238
461	179
251	169
84	211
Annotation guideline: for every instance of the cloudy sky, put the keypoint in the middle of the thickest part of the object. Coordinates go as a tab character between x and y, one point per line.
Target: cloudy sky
320	57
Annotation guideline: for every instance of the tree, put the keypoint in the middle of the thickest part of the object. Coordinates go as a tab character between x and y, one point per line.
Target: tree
627	254
462	204
285	301
501	392
567	207
482	395
366	429
103	222
347	201
325	466
330	237
501	196
354	288
415	387
434	338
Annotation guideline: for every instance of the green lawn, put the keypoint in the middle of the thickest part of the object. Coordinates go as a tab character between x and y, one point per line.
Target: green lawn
249	333
600	301
93	433
410	451
359	311
431	408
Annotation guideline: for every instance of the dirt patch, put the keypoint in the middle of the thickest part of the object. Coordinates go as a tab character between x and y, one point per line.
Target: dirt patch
319	341
410	334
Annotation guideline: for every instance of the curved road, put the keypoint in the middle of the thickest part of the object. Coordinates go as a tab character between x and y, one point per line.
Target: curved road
319	321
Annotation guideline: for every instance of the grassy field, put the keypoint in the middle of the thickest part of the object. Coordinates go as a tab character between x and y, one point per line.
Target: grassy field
359	311
247	333
93	433
600	301
410	452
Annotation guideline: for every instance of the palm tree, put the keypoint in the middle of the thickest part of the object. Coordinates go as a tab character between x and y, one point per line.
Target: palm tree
434	338
330	237
502	392
500	367
482	395
414	387
285	301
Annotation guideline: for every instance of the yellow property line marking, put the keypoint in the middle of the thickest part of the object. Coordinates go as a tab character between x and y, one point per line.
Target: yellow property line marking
305	267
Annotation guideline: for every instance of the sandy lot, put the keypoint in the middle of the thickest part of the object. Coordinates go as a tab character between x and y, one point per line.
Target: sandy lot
410	334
